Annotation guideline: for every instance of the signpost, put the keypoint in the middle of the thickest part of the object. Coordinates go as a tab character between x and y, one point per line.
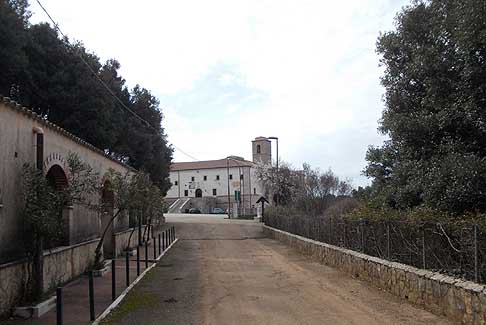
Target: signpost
262	200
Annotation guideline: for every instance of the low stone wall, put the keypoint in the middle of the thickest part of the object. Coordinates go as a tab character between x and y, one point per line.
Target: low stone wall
121	239
461	301
60	265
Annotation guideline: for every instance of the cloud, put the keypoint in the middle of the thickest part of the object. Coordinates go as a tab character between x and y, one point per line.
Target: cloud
228	71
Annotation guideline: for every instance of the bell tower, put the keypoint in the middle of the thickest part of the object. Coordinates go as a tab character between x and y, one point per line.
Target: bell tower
262	151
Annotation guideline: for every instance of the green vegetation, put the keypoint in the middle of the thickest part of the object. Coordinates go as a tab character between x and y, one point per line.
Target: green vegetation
435	115
46	73
306	190
135	300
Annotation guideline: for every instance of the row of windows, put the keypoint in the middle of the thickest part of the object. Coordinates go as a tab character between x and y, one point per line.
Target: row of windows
186	192
205	178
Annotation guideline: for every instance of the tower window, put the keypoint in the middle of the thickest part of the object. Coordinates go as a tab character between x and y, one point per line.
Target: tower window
186	193
259	148
214	191
205	178
176	183
241	176
217	177
231	176
254	190
192	178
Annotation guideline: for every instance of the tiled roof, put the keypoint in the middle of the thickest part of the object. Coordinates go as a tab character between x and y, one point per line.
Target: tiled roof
36	117
208	164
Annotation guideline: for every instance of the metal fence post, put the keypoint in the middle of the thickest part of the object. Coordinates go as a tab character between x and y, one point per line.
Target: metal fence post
388	253
138	260
59	311
163	240
160	246
113	280
155	247
424	266
329	230
361	227
127	268
476	258
91	296
146	254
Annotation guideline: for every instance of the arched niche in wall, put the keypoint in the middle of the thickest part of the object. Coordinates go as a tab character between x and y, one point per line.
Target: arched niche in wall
57	179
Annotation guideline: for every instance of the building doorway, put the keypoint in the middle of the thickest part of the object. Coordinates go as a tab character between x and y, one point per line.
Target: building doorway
198	192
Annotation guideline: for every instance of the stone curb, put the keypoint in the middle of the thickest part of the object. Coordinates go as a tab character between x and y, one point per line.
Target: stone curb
122	296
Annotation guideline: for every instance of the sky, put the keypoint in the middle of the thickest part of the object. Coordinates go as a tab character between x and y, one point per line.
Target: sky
228	71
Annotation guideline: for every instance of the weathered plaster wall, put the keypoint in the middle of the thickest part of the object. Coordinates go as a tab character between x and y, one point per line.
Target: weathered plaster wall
461	301
17	147
60	265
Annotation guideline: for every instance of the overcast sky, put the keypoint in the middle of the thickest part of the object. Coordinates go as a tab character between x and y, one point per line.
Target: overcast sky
228	71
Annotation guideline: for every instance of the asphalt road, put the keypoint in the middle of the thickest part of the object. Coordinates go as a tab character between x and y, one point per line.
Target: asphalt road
225	272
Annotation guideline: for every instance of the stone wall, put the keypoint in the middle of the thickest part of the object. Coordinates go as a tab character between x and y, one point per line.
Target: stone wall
461	301
121	239
60	265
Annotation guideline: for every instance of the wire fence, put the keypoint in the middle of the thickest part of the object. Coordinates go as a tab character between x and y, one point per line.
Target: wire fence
453	248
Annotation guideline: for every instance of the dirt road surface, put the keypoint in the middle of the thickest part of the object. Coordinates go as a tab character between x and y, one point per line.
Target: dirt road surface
226	272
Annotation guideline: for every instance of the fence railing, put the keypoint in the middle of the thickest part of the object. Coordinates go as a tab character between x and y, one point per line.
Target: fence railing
453	248
119	268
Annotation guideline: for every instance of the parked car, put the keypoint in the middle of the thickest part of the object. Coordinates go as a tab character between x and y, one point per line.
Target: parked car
194	211
218	211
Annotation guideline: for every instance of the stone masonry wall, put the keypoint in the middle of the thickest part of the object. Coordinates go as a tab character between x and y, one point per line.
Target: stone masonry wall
60	265
461	301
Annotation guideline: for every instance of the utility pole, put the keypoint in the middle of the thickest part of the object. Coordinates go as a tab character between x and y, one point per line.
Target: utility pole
227	178
278	175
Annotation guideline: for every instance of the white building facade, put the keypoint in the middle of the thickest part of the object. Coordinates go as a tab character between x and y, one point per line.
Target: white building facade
219	183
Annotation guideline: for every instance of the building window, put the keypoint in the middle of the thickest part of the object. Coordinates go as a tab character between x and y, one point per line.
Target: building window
217	177
241	176
254	190
205	178
186	193
231	176
176	183
259	149
214	191
192	178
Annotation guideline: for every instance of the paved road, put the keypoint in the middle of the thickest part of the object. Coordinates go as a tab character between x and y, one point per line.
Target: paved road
225	272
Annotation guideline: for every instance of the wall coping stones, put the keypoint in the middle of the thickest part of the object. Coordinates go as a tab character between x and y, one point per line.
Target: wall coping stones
52	251
458	299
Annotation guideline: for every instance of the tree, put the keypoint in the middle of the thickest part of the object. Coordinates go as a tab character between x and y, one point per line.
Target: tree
13	36
435	114
42	218
131	192
308	190
60	81
42	213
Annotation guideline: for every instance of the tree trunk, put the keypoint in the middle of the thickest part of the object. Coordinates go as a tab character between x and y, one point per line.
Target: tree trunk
38	271
97	262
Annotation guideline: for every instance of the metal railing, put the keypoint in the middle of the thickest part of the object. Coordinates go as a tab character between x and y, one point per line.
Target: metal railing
159	245
453	248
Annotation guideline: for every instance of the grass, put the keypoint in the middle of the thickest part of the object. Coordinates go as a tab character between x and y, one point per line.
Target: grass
135	300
